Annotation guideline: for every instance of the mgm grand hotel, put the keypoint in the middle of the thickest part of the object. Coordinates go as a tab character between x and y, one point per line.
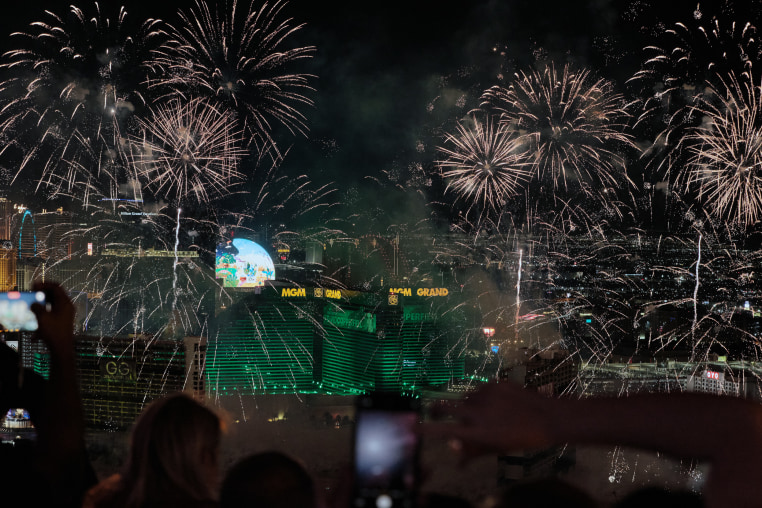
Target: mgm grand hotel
276	337
286	339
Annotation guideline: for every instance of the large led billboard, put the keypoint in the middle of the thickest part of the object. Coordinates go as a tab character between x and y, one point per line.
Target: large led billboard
242	263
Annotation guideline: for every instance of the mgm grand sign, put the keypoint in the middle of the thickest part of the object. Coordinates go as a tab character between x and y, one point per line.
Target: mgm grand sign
420	291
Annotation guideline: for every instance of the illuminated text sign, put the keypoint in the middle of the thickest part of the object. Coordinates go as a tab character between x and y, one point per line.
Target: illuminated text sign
420	291
354	319
293	292
118	369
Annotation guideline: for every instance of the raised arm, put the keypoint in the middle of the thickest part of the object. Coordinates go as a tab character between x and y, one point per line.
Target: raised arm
724	431
60	423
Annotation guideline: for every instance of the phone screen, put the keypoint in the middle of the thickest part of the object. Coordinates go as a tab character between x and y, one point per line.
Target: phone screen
385	453
15	314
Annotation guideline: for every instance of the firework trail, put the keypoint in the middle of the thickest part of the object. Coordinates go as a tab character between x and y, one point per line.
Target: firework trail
485	165
518	292
174	266
240	57
695	290
724	154
572	125
518	277
188	150
67	94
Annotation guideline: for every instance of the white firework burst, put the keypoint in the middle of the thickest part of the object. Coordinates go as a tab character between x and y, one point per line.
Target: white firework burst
484	164
724	166
572	123
189	151
237	55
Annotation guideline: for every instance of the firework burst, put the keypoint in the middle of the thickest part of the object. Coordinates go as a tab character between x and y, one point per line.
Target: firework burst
485	164
67	94
188	149
674	75
694	51
240	58
571	123
724	165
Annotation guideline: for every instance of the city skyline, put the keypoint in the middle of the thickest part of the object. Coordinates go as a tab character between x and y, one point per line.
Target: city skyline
592	142
446	191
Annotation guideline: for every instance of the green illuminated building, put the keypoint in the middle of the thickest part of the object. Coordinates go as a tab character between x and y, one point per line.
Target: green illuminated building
264	344
287	340
352	349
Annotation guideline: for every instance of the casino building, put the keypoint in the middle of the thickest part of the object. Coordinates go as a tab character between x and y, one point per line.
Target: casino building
286	339
277	337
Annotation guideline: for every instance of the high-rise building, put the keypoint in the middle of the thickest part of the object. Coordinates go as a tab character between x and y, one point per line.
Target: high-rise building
7	249
265	344
119	377
286	339
24	233
6	218
354	354
7	268
54	237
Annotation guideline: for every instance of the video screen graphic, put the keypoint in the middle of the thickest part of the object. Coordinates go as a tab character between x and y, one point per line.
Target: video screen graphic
242	263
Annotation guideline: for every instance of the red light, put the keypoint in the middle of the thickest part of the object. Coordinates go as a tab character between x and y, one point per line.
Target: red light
14	295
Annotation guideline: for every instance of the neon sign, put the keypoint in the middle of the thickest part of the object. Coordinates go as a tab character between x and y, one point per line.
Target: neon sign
420	291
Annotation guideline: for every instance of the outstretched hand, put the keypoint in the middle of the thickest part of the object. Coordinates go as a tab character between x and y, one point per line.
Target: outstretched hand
498	417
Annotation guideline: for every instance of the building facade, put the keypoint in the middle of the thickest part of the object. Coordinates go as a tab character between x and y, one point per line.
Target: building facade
288	339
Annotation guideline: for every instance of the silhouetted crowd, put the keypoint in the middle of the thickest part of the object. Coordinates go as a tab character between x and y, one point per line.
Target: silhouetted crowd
173	458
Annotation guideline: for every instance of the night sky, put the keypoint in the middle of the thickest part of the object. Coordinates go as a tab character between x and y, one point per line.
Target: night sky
392	76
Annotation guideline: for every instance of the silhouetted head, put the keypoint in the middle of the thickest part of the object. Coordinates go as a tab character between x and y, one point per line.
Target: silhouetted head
545	493
173	453
268	480
659	497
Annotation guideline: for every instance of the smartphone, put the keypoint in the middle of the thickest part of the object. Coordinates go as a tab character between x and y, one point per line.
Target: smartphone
386	450
15	312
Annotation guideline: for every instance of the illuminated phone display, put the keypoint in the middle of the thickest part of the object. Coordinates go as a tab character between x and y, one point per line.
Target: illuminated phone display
15	314
386	449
